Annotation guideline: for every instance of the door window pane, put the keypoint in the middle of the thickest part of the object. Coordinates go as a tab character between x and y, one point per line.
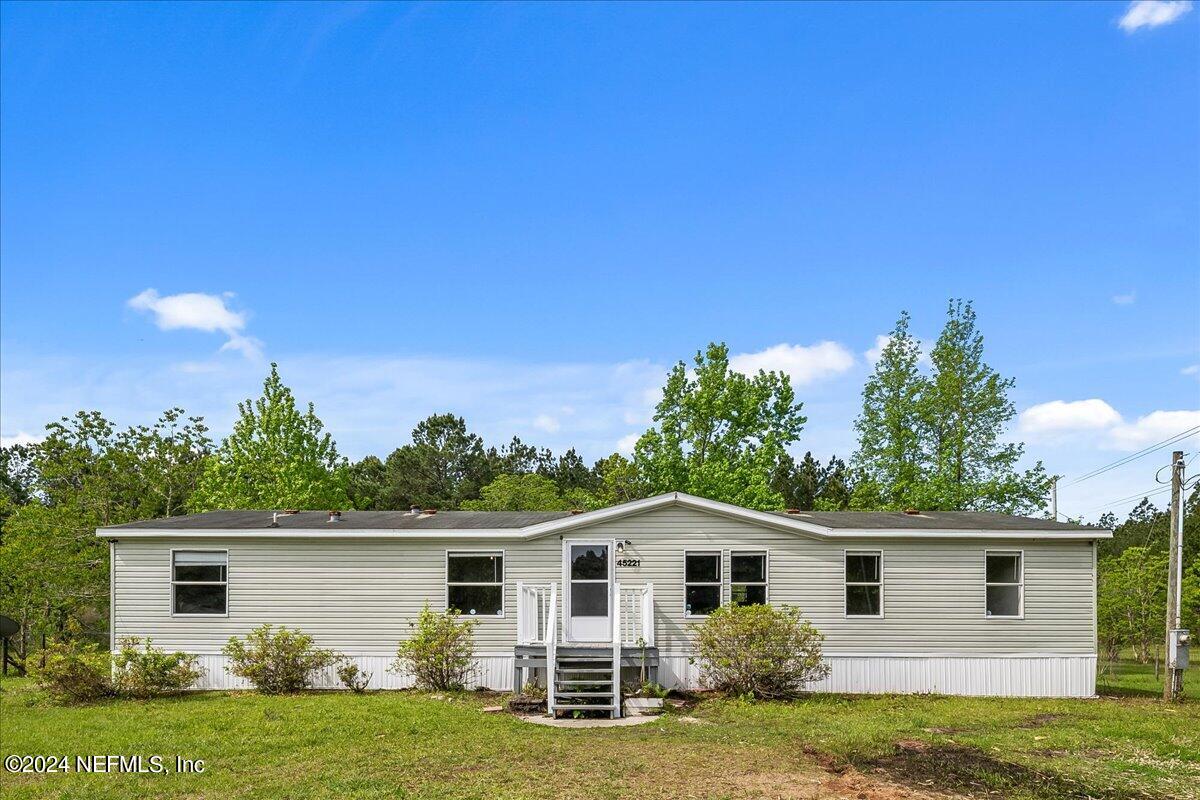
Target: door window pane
589	562
589	599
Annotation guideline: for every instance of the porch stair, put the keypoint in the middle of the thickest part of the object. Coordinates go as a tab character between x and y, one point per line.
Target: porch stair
584	681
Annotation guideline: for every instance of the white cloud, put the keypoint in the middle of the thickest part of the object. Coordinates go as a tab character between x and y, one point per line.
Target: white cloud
21	437
1125	299
1059	416
805	364
1191	369
209	313
626	443
882	340
1101	424
1153	13
1152	428
547	423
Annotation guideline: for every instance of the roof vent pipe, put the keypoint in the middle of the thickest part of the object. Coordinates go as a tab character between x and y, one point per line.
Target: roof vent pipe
414	510
335	516
430	511
793	511
912	512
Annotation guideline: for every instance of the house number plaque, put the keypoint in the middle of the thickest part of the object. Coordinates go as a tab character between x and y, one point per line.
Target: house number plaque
629	562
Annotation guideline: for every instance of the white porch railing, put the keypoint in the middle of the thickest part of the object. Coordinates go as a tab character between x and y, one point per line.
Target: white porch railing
633	623
536	609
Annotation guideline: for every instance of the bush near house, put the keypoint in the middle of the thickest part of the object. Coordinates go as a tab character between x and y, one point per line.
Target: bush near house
759	651
142	670
75	671
439	654
352	676
277	661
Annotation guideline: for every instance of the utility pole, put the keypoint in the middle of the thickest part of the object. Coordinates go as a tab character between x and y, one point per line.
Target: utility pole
1054	498
1173	679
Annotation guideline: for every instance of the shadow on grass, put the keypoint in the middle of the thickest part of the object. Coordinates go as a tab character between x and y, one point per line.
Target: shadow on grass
968	770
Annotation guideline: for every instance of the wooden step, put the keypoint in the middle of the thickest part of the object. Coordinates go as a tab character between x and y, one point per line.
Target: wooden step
576	707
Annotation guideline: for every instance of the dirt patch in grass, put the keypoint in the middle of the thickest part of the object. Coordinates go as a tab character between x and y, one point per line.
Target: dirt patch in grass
957	768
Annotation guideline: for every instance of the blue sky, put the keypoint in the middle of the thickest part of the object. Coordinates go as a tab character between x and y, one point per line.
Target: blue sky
524	213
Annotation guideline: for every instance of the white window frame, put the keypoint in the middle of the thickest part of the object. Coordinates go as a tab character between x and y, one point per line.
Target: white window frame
174	582
719	582
846	583
1020	584
765	583
503	581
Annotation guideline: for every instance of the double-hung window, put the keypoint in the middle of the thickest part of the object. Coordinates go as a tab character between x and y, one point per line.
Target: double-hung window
200	582
748	578
864	583
1004	583
475	583
702	583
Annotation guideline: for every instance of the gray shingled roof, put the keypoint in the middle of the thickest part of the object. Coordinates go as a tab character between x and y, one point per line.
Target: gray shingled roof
479	520
931	520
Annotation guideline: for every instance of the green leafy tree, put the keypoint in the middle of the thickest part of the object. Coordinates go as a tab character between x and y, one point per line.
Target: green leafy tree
570	471
444	465
617	481
890	460
964	411
527	492
837	486
86	474
798	484
720	434
276	457
1132	602
368	483
518	458
935	441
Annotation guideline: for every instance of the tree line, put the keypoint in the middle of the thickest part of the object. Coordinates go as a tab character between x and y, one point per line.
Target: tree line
929	436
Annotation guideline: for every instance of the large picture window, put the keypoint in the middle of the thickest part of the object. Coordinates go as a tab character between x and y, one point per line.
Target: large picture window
200	582
475	584
748	578
702	583
864	583
1004	584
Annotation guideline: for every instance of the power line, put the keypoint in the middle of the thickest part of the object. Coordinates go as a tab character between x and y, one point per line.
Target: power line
1134	456
1140	495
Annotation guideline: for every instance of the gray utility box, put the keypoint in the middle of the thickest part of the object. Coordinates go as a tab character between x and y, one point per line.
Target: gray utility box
1177	648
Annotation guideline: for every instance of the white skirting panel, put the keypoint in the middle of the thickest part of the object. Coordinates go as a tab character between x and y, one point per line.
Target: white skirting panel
491	672
1003	676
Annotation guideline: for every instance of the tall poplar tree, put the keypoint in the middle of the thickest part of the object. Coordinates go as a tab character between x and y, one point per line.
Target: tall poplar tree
889	459
964	410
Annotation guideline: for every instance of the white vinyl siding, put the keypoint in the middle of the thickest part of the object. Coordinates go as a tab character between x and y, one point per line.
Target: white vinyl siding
359	595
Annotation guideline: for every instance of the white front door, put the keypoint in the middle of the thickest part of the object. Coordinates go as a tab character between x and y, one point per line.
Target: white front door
589	576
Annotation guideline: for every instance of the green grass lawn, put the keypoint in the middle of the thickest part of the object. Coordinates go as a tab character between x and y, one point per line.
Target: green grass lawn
407	744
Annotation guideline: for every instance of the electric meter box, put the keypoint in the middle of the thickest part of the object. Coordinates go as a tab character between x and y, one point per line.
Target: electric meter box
1177	648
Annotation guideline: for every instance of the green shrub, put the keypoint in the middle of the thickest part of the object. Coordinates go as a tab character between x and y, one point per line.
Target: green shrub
75	671
277	661
352	677
439	654
760	651
147	671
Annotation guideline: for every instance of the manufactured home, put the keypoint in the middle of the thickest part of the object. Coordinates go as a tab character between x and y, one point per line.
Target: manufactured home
943	602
